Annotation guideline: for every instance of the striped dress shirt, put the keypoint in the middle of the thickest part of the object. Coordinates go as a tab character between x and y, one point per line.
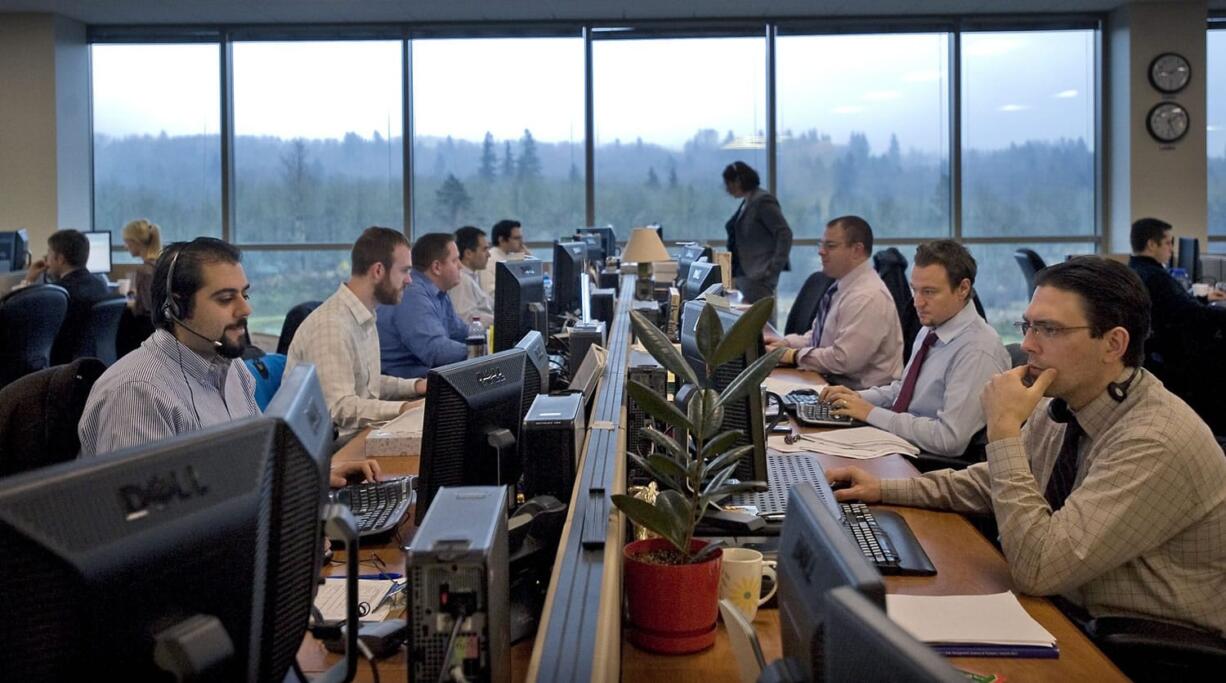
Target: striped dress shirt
159	390
1143	532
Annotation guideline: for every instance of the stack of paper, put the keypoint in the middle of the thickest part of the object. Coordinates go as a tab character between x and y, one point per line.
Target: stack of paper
375	595
860	443
972	625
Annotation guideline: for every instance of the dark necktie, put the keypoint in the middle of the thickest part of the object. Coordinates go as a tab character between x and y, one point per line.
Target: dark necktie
903	402
1060	483
823	309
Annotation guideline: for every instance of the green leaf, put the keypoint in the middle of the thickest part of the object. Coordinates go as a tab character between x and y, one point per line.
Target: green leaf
677	508
670	468
666	480
712	413
717	481
660	348
750	378
731	457
709	332
675	450
718	444
745	332
707	550
725	491
657	406
651	517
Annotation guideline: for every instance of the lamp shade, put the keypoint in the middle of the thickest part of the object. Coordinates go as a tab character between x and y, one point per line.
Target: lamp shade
645	247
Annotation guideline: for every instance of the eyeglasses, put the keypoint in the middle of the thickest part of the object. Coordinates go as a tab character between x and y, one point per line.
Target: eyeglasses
831	246
1045	330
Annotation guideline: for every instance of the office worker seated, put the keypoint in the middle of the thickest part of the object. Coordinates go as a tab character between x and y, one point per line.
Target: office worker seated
1107	489
936	404
341	340
468	299
423	330
64	265
856	339
508	238
189	373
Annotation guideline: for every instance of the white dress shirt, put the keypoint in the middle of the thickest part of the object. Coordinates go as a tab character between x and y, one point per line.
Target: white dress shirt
497	255
469	299
341	340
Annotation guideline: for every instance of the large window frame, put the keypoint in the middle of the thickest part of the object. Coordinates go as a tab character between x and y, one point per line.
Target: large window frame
1216	24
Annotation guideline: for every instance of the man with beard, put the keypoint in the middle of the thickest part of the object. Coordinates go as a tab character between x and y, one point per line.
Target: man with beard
188	374
341	340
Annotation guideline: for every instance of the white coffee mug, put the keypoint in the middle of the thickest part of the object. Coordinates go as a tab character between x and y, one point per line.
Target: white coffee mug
1200	289
740	579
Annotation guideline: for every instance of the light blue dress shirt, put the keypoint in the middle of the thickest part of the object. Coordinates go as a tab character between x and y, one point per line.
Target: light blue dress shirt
421	332
945	411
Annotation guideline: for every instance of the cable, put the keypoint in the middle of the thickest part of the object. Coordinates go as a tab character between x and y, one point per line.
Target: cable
300	673
443	671
370	657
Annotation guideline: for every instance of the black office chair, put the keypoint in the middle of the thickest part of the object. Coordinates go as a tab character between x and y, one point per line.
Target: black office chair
1017	356
292	320
891	266
1030	263
39	415
1148	650
29	320
804	309
101	330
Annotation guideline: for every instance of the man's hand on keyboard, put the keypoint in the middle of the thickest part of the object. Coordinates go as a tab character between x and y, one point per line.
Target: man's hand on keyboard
853	483
342	472
847	402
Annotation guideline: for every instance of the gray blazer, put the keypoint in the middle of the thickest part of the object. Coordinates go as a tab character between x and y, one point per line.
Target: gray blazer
759	238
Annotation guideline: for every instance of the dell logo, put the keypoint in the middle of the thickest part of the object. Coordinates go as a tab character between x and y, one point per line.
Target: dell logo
491	377
159	491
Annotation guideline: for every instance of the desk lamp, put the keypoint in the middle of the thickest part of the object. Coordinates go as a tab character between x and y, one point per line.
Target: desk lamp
644	248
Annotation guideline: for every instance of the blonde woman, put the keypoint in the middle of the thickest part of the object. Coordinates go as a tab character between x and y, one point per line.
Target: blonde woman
144	241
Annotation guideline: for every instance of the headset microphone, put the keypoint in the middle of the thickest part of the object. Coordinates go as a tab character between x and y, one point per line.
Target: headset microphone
171	307
216	344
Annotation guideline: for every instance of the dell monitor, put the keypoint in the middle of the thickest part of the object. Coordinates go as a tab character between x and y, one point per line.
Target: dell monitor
99	252
862	644
743	415
474	409
1188	257
569	269
519	301
14	250
208	541
608	241
595	248
701	276
690	254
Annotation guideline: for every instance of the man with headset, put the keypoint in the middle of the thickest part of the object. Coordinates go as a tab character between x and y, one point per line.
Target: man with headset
1107	489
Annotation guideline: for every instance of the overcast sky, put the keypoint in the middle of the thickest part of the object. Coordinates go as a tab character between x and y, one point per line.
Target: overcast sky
1017	86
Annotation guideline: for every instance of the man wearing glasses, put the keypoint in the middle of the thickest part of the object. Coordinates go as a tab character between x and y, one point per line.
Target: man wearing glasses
856	339
1107	489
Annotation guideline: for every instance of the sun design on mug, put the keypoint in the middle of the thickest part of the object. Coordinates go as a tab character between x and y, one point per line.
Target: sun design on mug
744	593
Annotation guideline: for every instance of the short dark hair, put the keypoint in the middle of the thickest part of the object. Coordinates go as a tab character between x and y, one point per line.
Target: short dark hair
188	276
857	229
743	174
1112	296
958	263
502	230
72	245
429	248
467	238
376	244
1147	229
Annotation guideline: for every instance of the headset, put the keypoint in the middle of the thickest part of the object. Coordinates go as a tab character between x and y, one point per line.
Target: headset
1059	411
170	308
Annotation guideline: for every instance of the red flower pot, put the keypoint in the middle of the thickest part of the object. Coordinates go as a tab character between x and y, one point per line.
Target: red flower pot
672	607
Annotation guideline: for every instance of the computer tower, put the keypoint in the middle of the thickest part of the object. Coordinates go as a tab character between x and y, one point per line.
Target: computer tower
647	371
553	436
457	567
648	309
582	336
602	305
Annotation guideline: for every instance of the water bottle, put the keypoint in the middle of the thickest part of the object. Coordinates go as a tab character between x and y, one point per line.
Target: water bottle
548	286
476	338
1181	276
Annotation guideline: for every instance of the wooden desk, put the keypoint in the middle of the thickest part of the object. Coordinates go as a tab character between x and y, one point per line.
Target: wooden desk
311	654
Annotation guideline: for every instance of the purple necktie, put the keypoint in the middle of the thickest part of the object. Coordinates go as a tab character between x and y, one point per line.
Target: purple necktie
908	384
823	309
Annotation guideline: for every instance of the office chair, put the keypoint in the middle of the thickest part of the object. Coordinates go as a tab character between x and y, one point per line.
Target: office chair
804	309
1030	263
97	339
30	318
1148	650
891	266
744	641
1017	356
292	320
39	415
267	369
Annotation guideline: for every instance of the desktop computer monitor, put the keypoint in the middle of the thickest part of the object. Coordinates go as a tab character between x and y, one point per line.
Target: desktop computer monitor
816	555
215	533
519	301
99	251
1188	257
595	248
690	254
744	415
701	276
569	269
14	250
862	644
474	409
608	242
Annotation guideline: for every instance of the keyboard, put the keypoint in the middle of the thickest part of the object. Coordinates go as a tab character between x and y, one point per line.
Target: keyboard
817	414
797	396
378	507
867	534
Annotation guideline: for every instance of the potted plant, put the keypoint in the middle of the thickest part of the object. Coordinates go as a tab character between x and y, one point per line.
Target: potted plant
672	582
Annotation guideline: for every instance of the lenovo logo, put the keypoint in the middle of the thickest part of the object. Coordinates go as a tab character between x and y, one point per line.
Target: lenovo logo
159	491
491	377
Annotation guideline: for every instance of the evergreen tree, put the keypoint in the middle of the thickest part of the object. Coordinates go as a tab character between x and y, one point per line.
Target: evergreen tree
452	198
489	160
672	176
574	173
653	180
529	164
508	164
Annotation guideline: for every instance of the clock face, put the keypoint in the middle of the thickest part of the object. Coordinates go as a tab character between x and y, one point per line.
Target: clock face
1167	122
1169	72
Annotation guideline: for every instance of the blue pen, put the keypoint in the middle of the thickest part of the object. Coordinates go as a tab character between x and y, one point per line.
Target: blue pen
385	575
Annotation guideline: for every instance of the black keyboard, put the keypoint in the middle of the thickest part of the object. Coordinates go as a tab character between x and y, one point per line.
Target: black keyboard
378	507
873	542
817	414
796	397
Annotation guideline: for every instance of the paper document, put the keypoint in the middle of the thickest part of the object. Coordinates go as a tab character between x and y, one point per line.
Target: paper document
410	422
967	620
783	387
330	598
861	443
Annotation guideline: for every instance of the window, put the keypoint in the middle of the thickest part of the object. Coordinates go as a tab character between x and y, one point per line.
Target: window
670	114
498	133
157	150
864	129
283	279
317	140
1215	82
1028	133
1002	287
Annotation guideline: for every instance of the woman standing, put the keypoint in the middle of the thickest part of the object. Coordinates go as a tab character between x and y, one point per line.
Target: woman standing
758	235
144	241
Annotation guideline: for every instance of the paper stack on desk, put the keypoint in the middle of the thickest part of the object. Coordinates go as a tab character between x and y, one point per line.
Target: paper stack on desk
401	436
861	443
375	598
972	625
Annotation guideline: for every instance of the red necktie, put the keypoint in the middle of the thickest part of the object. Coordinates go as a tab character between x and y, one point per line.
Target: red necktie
908	384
